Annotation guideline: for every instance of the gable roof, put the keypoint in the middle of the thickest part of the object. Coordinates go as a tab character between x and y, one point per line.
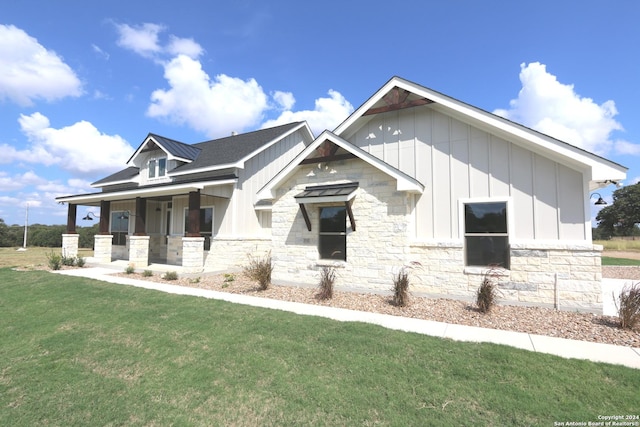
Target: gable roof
601	170
174	149
234	150
404	181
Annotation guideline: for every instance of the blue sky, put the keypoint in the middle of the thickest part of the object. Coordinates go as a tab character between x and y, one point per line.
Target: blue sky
82	83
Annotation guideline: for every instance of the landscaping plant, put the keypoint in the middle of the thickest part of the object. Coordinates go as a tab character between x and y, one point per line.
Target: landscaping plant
487	293
260	269
54	260
170	275
130	269
327	278
629	308
401	288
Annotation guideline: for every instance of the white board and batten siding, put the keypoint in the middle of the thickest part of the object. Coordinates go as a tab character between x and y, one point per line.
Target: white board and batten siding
242	220
456	161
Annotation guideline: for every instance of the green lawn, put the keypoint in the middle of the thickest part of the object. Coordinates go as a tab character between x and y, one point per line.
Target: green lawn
612	261
81	352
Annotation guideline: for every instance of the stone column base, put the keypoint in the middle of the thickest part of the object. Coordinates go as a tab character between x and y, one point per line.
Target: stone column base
70	245
139	251
102	248
193	254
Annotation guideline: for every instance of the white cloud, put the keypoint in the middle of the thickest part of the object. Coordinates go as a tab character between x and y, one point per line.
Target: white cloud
145	41
285	100
79	148
100	52
142	39
555	109
327	114
28	71
215	107
19	181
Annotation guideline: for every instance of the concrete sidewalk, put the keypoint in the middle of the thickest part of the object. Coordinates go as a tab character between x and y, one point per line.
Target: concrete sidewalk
566	348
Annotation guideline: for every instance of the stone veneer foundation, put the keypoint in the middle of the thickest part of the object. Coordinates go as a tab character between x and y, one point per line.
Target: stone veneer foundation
234	254
70	245
554	275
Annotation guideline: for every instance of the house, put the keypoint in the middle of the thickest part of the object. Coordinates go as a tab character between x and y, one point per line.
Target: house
412	178
188	205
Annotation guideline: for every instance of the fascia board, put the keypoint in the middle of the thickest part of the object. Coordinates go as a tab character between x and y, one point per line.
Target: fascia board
276	140
113	183
164	190
238	165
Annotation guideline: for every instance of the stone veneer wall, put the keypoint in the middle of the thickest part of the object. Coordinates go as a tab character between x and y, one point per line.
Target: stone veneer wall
552	275
174	250
375	251
233	254
556	275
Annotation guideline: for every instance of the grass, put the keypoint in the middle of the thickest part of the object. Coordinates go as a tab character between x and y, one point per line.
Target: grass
619	245
613	261
33	257
82	352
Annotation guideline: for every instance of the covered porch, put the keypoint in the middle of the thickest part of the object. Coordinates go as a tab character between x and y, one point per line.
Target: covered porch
167	225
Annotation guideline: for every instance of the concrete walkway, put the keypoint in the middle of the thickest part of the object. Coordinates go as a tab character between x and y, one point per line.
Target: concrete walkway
566	348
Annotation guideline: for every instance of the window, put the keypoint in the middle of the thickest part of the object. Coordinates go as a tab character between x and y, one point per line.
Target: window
332	239
119	228
206	225
486	235
157	167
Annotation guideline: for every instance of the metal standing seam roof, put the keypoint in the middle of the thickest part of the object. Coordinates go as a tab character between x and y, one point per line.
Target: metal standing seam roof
177	148
328	190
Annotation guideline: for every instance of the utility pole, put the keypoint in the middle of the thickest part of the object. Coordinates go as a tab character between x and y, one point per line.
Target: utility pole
26	225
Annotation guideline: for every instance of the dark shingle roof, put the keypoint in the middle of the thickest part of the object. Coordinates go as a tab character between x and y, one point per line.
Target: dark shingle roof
233	148
124	175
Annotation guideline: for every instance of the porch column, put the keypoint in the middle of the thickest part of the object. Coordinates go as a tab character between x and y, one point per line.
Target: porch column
139	251
103	240
72	212
105	213
141	216
192	254
193	223
70	238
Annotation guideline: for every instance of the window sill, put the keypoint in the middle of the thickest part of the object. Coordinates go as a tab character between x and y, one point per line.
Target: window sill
335	263
481	271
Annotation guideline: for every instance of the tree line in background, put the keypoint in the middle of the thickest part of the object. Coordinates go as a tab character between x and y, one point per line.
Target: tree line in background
49	236
621	218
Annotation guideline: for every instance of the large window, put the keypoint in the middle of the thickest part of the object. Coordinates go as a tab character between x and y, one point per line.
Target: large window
206	225
486	235
332	239
119	227
157	167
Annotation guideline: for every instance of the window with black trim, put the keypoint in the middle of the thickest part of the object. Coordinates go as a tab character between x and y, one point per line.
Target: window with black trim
332	239
486	234
119	228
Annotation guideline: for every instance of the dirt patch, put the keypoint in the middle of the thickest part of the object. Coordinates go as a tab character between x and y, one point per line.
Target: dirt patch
622	254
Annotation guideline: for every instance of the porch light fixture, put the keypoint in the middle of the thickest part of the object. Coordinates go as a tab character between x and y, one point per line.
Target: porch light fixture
600	200
90	216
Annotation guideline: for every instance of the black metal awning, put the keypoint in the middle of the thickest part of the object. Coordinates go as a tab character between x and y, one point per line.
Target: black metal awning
334	193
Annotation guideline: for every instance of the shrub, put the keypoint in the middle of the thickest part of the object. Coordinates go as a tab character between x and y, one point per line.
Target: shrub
80	261
629	309
228	277
130	269
401	288
327	278
54	260
487	293
147	273
68	261
170	275
260	269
